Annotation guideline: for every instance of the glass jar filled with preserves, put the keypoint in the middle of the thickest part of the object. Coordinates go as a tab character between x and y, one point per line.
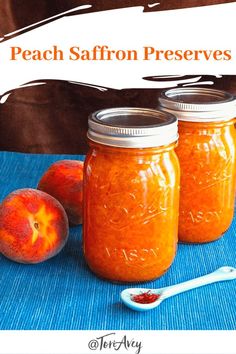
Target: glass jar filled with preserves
131	194
206	152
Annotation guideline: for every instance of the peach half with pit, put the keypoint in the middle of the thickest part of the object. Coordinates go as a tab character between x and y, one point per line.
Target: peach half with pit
33	226
64	181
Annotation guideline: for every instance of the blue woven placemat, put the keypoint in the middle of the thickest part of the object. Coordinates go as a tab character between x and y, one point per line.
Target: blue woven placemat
63	294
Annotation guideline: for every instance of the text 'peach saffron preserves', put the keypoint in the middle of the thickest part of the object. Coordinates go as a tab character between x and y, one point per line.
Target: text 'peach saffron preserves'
206	152
131	194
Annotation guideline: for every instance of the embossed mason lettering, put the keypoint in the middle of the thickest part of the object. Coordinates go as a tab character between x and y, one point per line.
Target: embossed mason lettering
132	255
131	194
209	178
200	216
206	152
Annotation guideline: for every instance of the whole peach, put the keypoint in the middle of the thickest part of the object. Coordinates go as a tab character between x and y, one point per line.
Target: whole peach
33	226
64	181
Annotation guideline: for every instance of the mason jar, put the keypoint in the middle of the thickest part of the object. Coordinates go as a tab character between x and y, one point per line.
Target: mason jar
206	151
131	194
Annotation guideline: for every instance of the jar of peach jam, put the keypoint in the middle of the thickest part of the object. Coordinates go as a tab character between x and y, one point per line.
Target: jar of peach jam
131	194
206	152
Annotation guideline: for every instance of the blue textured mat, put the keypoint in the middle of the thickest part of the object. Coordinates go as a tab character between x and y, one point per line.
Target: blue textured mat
62	293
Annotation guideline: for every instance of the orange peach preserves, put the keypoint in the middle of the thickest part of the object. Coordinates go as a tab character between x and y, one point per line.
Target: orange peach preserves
131	198
206	152
207	158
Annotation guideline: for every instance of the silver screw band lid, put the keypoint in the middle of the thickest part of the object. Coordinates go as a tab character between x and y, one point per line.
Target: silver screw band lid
132	127
199	104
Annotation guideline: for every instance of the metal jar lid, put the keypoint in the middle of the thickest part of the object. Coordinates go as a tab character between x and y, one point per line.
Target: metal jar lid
199	104
131	127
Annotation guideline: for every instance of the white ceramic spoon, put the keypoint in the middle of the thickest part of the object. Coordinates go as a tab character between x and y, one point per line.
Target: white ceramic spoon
223	273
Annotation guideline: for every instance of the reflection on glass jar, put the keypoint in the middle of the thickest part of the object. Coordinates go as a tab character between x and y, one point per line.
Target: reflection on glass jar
206	152
131	194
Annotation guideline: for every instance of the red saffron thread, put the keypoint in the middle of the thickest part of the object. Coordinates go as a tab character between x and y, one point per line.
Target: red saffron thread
145	298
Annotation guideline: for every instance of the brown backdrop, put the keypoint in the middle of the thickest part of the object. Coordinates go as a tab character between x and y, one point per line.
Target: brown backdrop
53	118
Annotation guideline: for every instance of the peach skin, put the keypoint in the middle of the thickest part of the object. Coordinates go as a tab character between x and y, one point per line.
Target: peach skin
64	181
33	226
